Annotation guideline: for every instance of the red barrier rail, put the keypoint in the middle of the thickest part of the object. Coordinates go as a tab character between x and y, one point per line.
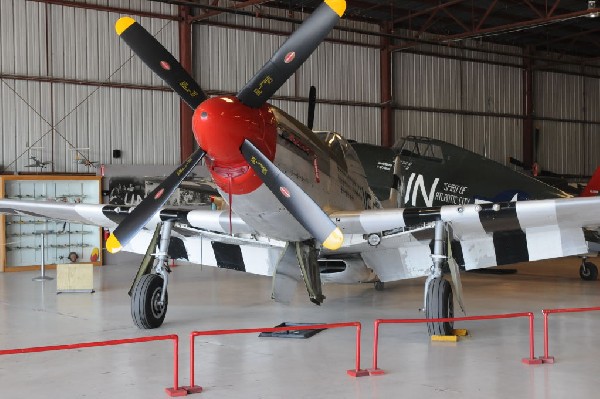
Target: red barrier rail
547	358
356	372
174	391
531	360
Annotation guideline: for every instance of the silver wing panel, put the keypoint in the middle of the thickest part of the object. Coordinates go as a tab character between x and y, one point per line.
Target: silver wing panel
76	213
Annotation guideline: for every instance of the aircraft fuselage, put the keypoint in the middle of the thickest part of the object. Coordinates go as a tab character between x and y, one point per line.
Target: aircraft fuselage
329	170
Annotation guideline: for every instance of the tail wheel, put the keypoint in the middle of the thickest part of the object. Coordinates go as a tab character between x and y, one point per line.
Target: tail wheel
440	304
588	271
146	310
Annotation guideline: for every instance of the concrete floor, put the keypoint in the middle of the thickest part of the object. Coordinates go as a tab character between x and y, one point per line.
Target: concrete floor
485	364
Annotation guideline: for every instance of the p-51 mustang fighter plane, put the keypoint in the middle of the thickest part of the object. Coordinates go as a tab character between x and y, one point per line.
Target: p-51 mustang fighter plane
298	203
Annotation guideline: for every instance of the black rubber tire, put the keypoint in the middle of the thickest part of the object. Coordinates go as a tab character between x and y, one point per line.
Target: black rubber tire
145	311
589	272
379	286
440	304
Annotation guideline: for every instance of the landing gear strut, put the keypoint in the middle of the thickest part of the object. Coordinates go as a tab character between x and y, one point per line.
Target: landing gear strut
439	301
588	271
149	297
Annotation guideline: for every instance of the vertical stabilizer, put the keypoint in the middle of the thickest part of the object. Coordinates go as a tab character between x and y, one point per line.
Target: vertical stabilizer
593	187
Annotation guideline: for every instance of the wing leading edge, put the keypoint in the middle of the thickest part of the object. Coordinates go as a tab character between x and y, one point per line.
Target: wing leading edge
486	234
492	234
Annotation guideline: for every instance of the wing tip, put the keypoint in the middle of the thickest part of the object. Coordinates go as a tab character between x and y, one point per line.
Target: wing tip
123	24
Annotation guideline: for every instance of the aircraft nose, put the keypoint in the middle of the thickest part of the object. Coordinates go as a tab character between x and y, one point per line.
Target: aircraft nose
221	124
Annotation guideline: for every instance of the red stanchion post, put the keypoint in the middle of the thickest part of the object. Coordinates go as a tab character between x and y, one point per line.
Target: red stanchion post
532	359
546	358
546	312
375	370
357	372
176	390
192	388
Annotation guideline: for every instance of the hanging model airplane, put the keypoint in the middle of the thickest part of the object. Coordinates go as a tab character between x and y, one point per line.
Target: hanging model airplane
300	207
86	162
37	163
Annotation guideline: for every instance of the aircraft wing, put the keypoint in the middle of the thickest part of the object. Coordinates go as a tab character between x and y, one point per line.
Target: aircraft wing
485	234
489	234
200	236
110	216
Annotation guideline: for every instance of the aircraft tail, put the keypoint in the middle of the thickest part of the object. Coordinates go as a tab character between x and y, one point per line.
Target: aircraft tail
593	187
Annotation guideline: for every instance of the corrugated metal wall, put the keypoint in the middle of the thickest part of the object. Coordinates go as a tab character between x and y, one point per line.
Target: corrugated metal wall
476	101
67	43
226	58
437	95
567	146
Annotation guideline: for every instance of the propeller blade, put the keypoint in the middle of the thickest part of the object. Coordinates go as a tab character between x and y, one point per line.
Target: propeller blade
294	199
536	144
160	61
312	101
146	209
297	48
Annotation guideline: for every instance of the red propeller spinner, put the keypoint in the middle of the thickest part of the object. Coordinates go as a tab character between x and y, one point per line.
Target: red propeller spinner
221	124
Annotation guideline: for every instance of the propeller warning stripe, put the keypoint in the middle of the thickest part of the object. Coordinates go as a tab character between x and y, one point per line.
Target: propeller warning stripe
338	6
153	54
294	199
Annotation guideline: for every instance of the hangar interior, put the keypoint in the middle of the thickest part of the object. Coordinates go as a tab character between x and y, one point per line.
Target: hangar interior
505	79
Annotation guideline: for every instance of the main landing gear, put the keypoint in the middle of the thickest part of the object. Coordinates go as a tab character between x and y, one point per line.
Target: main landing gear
439	301
149	298
588	271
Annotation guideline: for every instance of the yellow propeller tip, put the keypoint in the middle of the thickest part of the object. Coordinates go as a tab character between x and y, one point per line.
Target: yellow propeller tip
338	6
123	23
335	240
113	245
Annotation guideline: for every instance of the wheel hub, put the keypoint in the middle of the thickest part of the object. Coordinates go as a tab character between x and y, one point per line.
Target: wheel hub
158	307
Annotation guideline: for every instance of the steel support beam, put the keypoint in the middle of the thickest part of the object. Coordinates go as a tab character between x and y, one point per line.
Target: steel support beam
387	134
428	10
237	6
528	110
186	135
478	32
97	7
50	79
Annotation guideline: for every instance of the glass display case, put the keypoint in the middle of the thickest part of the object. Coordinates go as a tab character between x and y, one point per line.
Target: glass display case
21	236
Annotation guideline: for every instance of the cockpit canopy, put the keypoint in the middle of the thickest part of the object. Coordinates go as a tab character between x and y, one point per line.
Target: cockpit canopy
419	147
339	146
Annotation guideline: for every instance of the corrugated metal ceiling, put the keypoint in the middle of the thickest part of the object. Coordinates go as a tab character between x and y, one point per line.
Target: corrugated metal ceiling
560	26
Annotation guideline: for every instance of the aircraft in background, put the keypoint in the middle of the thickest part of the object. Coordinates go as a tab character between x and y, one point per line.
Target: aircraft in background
37	163
300	206
428	172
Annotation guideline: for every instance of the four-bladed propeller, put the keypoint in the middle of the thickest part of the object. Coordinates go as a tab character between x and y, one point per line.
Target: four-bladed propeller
254	94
